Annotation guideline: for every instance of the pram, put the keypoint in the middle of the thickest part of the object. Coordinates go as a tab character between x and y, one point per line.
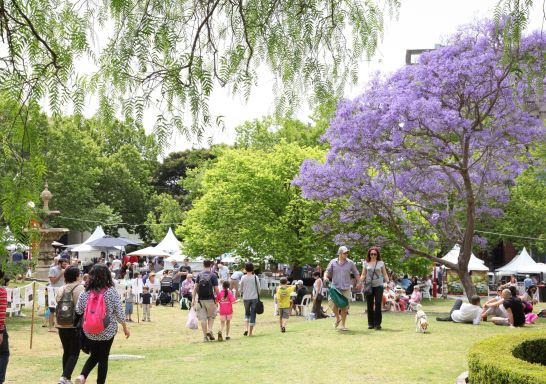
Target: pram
165	292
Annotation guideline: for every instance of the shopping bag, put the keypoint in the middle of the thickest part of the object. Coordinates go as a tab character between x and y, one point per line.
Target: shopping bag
192	322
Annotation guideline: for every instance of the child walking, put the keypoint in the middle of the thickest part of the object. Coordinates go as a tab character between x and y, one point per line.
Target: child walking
146	297
225	300
129	304
283	302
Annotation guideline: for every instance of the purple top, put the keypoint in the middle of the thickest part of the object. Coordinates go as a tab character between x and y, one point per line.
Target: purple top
340	273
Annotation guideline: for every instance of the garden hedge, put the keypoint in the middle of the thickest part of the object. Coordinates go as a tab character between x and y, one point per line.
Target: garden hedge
509	359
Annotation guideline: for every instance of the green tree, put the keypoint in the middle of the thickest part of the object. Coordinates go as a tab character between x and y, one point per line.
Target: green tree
266	132
174	52
524	218
249	205
166	213
169	175
22	129
100	172
73	173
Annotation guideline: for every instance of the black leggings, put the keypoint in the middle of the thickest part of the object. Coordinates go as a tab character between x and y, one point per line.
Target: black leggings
375	316
70	339
98	354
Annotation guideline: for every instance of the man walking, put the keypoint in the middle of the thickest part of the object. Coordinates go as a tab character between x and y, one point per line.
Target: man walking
339	270
206	289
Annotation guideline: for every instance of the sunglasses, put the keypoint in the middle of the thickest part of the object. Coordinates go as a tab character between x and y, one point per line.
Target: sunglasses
373	254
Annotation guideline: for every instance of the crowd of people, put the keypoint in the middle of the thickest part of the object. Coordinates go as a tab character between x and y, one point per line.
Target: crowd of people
88	305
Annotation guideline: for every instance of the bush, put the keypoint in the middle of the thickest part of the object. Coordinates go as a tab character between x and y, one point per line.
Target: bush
505	359
533	351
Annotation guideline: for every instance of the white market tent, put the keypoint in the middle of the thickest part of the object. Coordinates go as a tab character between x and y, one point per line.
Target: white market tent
170	244
149	251
522	263
85	251
474	264
176	258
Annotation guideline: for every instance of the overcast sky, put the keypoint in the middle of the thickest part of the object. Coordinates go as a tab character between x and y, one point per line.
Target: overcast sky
421	24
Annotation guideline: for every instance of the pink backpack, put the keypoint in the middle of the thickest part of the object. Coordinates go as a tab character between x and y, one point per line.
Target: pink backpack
95	319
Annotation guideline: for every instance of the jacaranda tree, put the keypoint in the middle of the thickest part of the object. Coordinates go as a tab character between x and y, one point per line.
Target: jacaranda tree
434	146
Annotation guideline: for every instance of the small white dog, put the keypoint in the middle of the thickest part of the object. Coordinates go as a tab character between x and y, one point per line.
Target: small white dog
421	322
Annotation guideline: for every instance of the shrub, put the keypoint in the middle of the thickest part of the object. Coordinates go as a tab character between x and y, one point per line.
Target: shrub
533	351
505	359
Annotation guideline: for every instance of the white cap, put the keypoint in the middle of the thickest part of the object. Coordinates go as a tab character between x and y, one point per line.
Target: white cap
342	249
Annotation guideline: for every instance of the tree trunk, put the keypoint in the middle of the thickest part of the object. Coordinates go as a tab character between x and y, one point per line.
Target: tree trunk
468	238
466	281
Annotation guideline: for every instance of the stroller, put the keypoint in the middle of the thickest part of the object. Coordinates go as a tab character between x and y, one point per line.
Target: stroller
165	292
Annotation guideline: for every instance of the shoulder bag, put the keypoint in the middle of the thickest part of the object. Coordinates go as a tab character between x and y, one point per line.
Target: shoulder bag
259	304
368	284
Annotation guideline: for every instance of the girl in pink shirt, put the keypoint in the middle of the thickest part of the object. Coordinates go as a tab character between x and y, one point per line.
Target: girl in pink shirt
225	301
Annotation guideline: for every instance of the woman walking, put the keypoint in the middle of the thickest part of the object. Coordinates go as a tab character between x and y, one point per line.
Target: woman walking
68	333
100	288
249	289
374	273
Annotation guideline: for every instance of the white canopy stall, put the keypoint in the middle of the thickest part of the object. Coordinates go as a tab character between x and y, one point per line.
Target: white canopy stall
474	264
85	251
523	264
170	244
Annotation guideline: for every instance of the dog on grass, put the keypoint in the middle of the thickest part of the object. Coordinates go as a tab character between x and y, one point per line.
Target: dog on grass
421	322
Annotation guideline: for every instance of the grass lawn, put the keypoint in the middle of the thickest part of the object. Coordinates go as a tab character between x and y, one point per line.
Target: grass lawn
310	351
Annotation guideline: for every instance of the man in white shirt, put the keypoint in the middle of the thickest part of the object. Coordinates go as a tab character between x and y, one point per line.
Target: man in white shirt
116	267
223	272
465	313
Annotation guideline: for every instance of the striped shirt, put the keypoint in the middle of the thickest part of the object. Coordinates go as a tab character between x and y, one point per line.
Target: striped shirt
114	310
3	307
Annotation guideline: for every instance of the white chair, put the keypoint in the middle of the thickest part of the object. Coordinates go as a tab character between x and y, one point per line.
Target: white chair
425	292
305	305
273	285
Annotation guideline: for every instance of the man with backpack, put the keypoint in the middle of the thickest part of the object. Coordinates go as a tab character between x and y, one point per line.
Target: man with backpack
203	299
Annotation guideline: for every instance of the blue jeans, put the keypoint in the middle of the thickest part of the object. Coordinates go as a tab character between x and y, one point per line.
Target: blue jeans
250	311
4	356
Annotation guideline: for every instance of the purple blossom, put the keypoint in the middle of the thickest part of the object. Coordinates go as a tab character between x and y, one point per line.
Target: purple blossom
423	147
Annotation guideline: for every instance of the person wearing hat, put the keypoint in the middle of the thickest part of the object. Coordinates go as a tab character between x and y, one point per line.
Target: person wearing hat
339	271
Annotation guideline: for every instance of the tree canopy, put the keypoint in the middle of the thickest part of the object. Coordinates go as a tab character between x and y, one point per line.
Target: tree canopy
249	205
430	148
172	53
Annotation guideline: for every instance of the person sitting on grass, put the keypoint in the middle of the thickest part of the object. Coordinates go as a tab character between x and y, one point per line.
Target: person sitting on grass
465	313
514	310
493	307
530	295
283	301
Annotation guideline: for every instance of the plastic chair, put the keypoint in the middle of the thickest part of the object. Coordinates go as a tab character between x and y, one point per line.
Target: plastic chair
425	293
305	305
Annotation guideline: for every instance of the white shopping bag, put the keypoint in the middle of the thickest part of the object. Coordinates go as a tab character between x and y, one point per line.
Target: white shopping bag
192	322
